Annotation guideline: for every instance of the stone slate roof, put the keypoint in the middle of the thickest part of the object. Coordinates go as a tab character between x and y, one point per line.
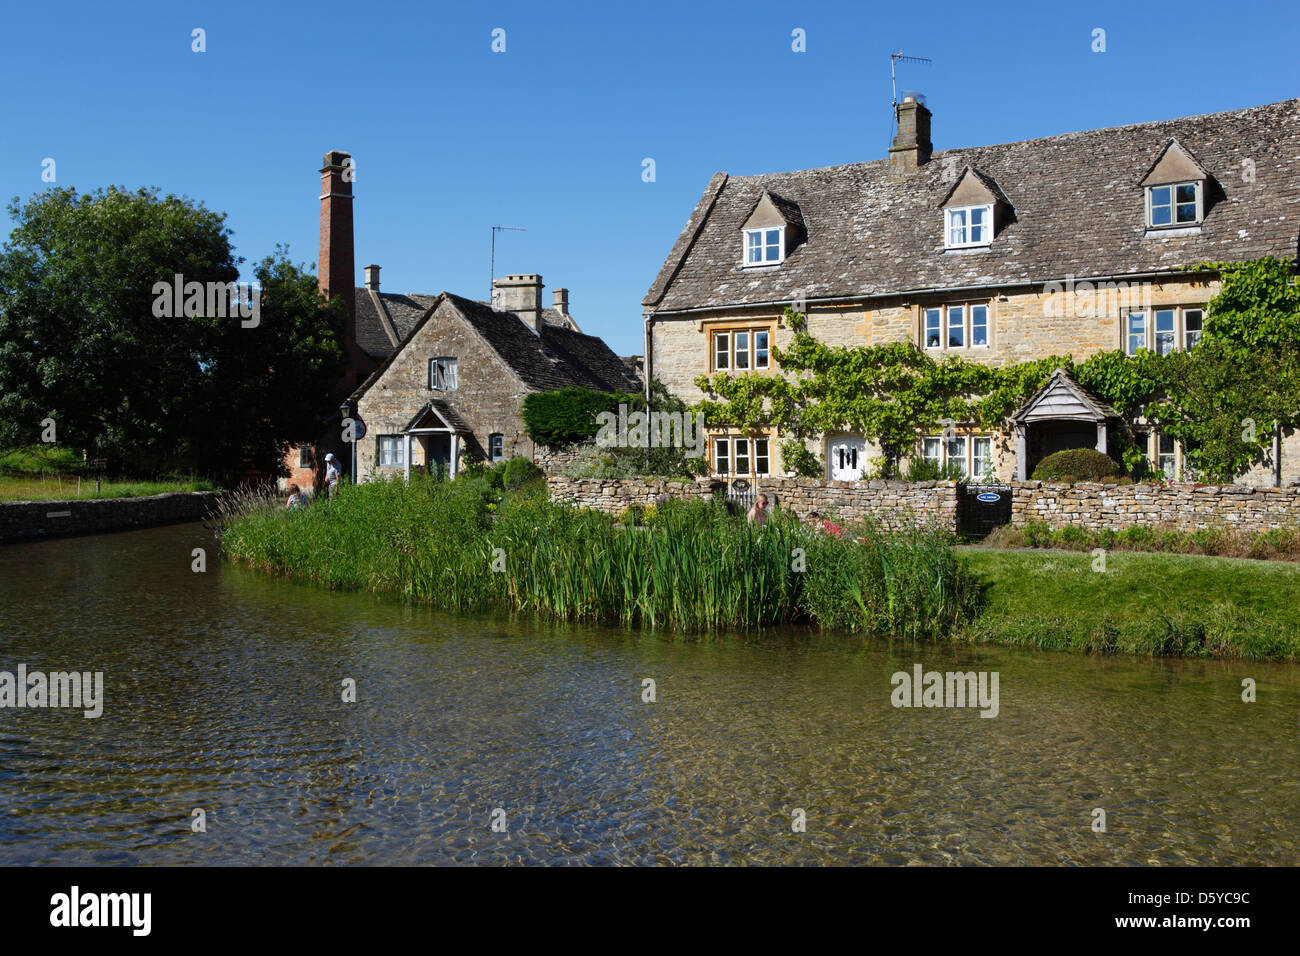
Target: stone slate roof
373	336
1079	210
575	359
560	358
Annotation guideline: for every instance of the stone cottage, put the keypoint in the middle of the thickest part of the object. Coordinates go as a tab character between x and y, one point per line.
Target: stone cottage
1068	245
432	378
454	385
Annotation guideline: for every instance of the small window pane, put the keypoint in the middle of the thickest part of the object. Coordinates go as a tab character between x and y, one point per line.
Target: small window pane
1161	206
932	334
721	457
742	455
932	449
1187	213
956	454
1192	320
979	325
722	351
1164	331
760	350
982	458
956	327
742	350
1186	193
774	245
1137	331
761	461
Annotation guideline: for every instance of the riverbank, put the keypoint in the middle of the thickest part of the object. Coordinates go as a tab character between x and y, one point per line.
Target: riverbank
1158	605
693	567
25	520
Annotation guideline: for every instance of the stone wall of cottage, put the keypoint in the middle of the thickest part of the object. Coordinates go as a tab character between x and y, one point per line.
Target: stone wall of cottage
1181	506
488	396
894	503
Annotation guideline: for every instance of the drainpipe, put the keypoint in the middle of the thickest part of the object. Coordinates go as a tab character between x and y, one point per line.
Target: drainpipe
1277	454
647	366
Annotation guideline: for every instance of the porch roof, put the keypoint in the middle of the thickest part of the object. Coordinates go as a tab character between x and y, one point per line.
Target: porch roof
1062	398
438	415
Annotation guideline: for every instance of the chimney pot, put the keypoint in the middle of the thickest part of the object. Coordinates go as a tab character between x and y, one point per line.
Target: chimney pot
560	299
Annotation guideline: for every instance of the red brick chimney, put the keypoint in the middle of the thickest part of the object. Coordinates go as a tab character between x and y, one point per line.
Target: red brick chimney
337	268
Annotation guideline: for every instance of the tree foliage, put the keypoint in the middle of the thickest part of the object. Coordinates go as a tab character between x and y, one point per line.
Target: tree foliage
80	343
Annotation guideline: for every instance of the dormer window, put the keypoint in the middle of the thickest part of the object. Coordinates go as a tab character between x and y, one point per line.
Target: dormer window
1176	204
969	226
771	232
972	211
764	247
1175	189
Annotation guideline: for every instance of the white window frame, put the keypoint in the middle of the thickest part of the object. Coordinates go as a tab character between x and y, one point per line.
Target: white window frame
730	450
1173	204
966	227
1158	457
939	450
937	312
977	473
1189	333
763	246
722	350
438	373
727	347
396	445
965	312
1180	331
496	446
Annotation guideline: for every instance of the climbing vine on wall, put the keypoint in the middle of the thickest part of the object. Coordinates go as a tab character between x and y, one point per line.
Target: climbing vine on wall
1247	369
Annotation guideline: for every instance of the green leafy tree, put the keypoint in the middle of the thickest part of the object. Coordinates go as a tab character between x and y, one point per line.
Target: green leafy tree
80	341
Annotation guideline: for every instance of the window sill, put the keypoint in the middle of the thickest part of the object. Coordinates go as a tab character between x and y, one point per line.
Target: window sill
1154	232
958	250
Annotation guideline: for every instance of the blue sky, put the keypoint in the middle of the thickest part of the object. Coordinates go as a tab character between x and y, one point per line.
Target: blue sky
450	138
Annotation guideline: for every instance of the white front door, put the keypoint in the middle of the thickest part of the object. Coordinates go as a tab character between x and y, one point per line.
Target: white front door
846	458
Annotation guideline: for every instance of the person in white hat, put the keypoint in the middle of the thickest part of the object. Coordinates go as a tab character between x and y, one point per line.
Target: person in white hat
332	475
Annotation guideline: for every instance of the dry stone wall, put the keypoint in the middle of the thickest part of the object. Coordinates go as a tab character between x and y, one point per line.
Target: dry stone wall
894	503
1186	507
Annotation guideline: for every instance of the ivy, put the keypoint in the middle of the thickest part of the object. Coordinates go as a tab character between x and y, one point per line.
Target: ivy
1220	399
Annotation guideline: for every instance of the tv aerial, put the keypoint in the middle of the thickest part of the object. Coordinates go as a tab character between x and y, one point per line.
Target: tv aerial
495	230
898	56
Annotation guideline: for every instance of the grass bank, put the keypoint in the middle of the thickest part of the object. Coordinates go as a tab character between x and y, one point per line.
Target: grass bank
693	566
1276	544
55	473
67	488
1146	604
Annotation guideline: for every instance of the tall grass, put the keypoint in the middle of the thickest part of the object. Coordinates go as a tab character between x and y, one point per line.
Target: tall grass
693	567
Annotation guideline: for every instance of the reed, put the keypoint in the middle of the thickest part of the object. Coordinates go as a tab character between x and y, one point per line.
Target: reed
691	567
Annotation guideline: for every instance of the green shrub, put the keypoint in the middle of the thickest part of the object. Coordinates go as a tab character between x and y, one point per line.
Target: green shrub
797	458
1038	534
924	469
1077	464
517	472
568	415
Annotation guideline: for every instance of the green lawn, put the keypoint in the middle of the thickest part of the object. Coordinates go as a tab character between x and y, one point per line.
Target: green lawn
1156	604
64	488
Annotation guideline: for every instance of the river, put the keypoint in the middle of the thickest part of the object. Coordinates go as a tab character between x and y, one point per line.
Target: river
223	693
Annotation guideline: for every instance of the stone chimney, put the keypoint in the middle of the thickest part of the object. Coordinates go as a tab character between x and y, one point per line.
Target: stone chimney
521	294
560	298
336	269
372	278
912	146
